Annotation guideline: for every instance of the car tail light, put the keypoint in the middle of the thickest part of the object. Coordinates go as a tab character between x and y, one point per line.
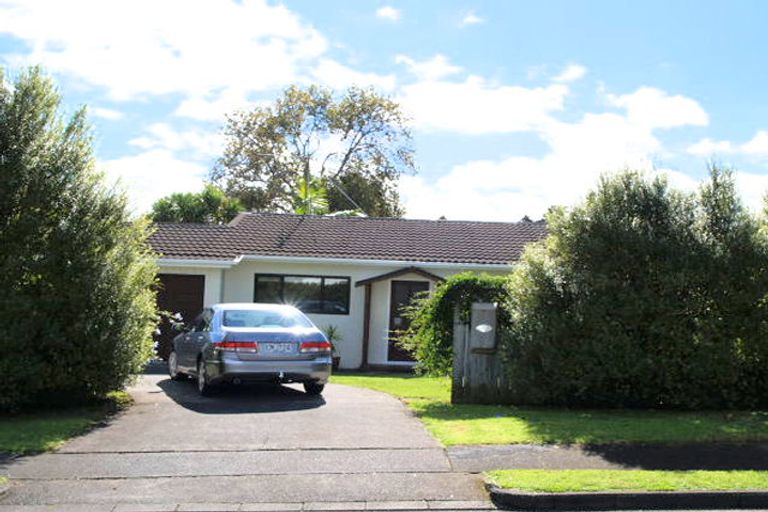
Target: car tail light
232	346
315	347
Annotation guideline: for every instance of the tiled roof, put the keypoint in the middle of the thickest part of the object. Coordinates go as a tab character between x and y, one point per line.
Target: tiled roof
270	234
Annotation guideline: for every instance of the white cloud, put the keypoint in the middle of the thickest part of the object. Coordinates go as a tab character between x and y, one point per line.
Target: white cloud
709	147
436	68
571	73
200	144
144	47
153	174
752	188
471	19
757	146
214	107
337	76
388	13
106	113
654	108
476	106
578	153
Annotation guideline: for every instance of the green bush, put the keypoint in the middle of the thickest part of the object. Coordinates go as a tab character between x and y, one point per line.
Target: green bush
78	306
430	335
643	297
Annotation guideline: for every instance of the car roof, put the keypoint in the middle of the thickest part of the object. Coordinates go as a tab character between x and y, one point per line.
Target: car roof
254	306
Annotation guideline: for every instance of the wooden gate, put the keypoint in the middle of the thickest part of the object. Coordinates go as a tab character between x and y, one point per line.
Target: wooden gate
478	373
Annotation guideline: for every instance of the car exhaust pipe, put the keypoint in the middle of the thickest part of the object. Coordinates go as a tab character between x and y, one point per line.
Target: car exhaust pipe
236	381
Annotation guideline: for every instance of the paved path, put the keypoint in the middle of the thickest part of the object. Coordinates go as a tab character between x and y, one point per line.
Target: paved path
619	456
248	447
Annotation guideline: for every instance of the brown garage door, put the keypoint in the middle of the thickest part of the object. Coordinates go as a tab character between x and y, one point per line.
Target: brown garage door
178	293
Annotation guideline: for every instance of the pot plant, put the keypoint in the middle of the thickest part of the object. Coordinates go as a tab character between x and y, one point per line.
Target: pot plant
334	336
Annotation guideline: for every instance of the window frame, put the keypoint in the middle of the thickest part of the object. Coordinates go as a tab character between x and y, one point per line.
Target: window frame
348	279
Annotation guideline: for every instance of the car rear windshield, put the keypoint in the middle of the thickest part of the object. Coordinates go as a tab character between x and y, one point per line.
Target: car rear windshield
264	319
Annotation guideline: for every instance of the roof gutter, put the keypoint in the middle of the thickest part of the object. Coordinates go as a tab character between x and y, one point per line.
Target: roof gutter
202	263
379	263
174	262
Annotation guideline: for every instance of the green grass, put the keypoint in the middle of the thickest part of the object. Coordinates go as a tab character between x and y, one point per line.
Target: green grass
402	386
39	431
595	480
429	397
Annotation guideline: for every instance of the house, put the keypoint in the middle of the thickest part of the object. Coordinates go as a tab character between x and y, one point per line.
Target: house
352	273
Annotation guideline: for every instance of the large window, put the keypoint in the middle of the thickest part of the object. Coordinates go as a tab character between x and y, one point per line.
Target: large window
311	294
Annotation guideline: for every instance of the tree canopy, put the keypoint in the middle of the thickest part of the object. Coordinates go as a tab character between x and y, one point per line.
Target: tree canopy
209	206
357	145
643	296
78	306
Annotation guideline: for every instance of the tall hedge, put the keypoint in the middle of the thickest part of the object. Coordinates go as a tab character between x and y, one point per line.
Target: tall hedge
430	335
643	296
77	307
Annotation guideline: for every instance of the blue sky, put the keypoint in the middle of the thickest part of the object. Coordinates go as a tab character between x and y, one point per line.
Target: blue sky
515	106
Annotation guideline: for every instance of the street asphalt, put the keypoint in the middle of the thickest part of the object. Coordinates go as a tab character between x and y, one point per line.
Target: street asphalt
249	447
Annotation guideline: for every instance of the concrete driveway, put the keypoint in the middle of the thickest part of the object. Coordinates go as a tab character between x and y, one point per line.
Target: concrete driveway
247	448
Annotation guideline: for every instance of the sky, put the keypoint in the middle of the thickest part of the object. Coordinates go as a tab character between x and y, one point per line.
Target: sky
514	106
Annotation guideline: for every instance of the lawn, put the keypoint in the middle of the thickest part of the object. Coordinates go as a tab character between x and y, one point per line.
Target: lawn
429	397
40	431
595	480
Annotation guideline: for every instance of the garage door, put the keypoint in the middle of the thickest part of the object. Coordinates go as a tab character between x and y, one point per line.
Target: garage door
178	293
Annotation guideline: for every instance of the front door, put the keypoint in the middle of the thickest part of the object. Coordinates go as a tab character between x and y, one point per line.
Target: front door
402	293
178	293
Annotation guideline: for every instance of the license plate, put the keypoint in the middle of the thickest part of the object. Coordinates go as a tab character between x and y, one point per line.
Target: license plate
277	348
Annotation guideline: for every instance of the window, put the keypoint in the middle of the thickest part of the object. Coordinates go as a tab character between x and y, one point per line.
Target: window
311	294
264	318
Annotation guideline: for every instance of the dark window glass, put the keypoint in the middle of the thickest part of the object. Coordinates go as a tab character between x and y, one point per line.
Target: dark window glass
304	293
335	296
269	289
310	294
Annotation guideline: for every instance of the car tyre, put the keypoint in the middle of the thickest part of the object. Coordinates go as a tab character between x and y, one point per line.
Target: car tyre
203	386
173	367
314	388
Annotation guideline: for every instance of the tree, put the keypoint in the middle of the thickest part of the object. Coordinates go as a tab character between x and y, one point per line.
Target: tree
643	296
209	206
379	196
311	198
358	143
78	306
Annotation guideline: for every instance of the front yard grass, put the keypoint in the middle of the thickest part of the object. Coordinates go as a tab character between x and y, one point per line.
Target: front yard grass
429	398
40	431
596	480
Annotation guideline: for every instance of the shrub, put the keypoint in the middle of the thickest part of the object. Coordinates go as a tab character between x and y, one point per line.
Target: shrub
77	308
643	297
430	335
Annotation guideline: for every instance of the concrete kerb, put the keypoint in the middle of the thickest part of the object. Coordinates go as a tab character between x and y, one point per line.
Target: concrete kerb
698	500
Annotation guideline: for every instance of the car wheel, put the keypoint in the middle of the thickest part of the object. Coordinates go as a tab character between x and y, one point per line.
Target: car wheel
203	386
313	388
173	367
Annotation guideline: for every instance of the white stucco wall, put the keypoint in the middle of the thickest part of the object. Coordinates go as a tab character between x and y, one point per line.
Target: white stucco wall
236	284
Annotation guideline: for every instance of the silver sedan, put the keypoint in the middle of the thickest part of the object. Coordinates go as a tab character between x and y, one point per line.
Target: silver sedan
251	342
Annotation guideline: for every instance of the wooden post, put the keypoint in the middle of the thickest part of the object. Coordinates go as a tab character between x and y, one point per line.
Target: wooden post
366	326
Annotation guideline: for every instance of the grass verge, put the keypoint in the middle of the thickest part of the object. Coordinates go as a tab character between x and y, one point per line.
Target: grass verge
458	424
39	431
596	480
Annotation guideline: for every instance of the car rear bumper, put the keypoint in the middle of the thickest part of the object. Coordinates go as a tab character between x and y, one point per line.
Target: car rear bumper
228	370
